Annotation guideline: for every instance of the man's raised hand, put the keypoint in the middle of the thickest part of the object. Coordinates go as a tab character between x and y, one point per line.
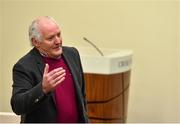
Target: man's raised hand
52	79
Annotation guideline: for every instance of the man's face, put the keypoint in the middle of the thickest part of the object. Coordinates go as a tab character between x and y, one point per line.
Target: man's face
51	42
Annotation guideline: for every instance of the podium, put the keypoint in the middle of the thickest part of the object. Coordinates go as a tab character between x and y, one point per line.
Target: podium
107	85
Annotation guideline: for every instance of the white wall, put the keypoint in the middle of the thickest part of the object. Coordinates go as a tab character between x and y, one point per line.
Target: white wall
0	50
149	28
178	34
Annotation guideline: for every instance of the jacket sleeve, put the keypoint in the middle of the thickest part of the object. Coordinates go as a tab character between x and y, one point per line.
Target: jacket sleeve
25	96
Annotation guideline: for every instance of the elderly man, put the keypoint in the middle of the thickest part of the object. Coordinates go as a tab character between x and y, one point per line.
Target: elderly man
48	83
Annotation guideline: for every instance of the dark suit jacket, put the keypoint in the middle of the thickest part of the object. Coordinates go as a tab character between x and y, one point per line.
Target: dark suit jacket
28	99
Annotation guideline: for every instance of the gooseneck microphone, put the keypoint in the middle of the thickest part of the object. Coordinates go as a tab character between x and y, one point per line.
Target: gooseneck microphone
99	51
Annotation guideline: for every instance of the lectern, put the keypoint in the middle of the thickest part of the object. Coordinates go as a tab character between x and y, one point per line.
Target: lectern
107	84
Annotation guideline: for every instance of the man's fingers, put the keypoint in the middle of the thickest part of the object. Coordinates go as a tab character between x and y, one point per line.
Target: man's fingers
55	71
59	81
58	78
57	74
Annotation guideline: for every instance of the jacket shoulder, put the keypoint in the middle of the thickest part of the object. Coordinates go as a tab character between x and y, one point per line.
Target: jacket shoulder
72	51
29	59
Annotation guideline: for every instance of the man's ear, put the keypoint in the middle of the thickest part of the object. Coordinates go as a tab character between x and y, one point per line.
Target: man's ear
35	42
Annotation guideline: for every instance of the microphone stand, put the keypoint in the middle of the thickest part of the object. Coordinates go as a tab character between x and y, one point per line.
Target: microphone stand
100	52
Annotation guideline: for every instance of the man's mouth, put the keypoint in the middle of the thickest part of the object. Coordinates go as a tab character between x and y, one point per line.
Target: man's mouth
57	48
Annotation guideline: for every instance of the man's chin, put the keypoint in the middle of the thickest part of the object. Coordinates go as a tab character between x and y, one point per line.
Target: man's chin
58	54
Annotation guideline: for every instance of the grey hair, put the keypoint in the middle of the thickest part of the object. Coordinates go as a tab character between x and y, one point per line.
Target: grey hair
34	31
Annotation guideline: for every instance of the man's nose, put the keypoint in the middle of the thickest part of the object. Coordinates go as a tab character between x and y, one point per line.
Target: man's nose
57	40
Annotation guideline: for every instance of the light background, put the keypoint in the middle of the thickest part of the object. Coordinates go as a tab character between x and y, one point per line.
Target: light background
148	27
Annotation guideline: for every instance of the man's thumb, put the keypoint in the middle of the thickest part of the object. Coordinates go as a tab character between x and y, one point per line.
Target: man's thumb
46	69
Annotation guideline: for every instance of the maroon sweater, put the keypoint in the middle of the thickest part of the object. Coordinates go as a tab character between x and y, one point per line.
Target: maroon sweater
64	93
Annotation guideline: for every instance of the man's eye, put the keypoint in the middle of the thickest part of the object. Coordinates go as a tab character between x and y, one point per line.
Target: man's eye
50	38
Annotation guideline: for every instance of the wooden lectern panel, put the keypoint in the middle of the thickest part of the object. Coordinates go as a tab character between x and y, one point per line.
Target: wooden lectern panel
107	97
110	110
103	87
126	80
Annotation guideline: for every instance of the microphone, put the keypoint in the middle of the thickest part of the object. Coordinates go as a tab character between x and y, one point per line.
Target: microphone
99	51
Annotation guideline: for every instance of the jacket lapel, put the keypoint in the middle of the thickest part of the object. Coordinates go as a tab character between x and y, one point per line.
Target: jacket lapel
70	62
70	65
39	60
